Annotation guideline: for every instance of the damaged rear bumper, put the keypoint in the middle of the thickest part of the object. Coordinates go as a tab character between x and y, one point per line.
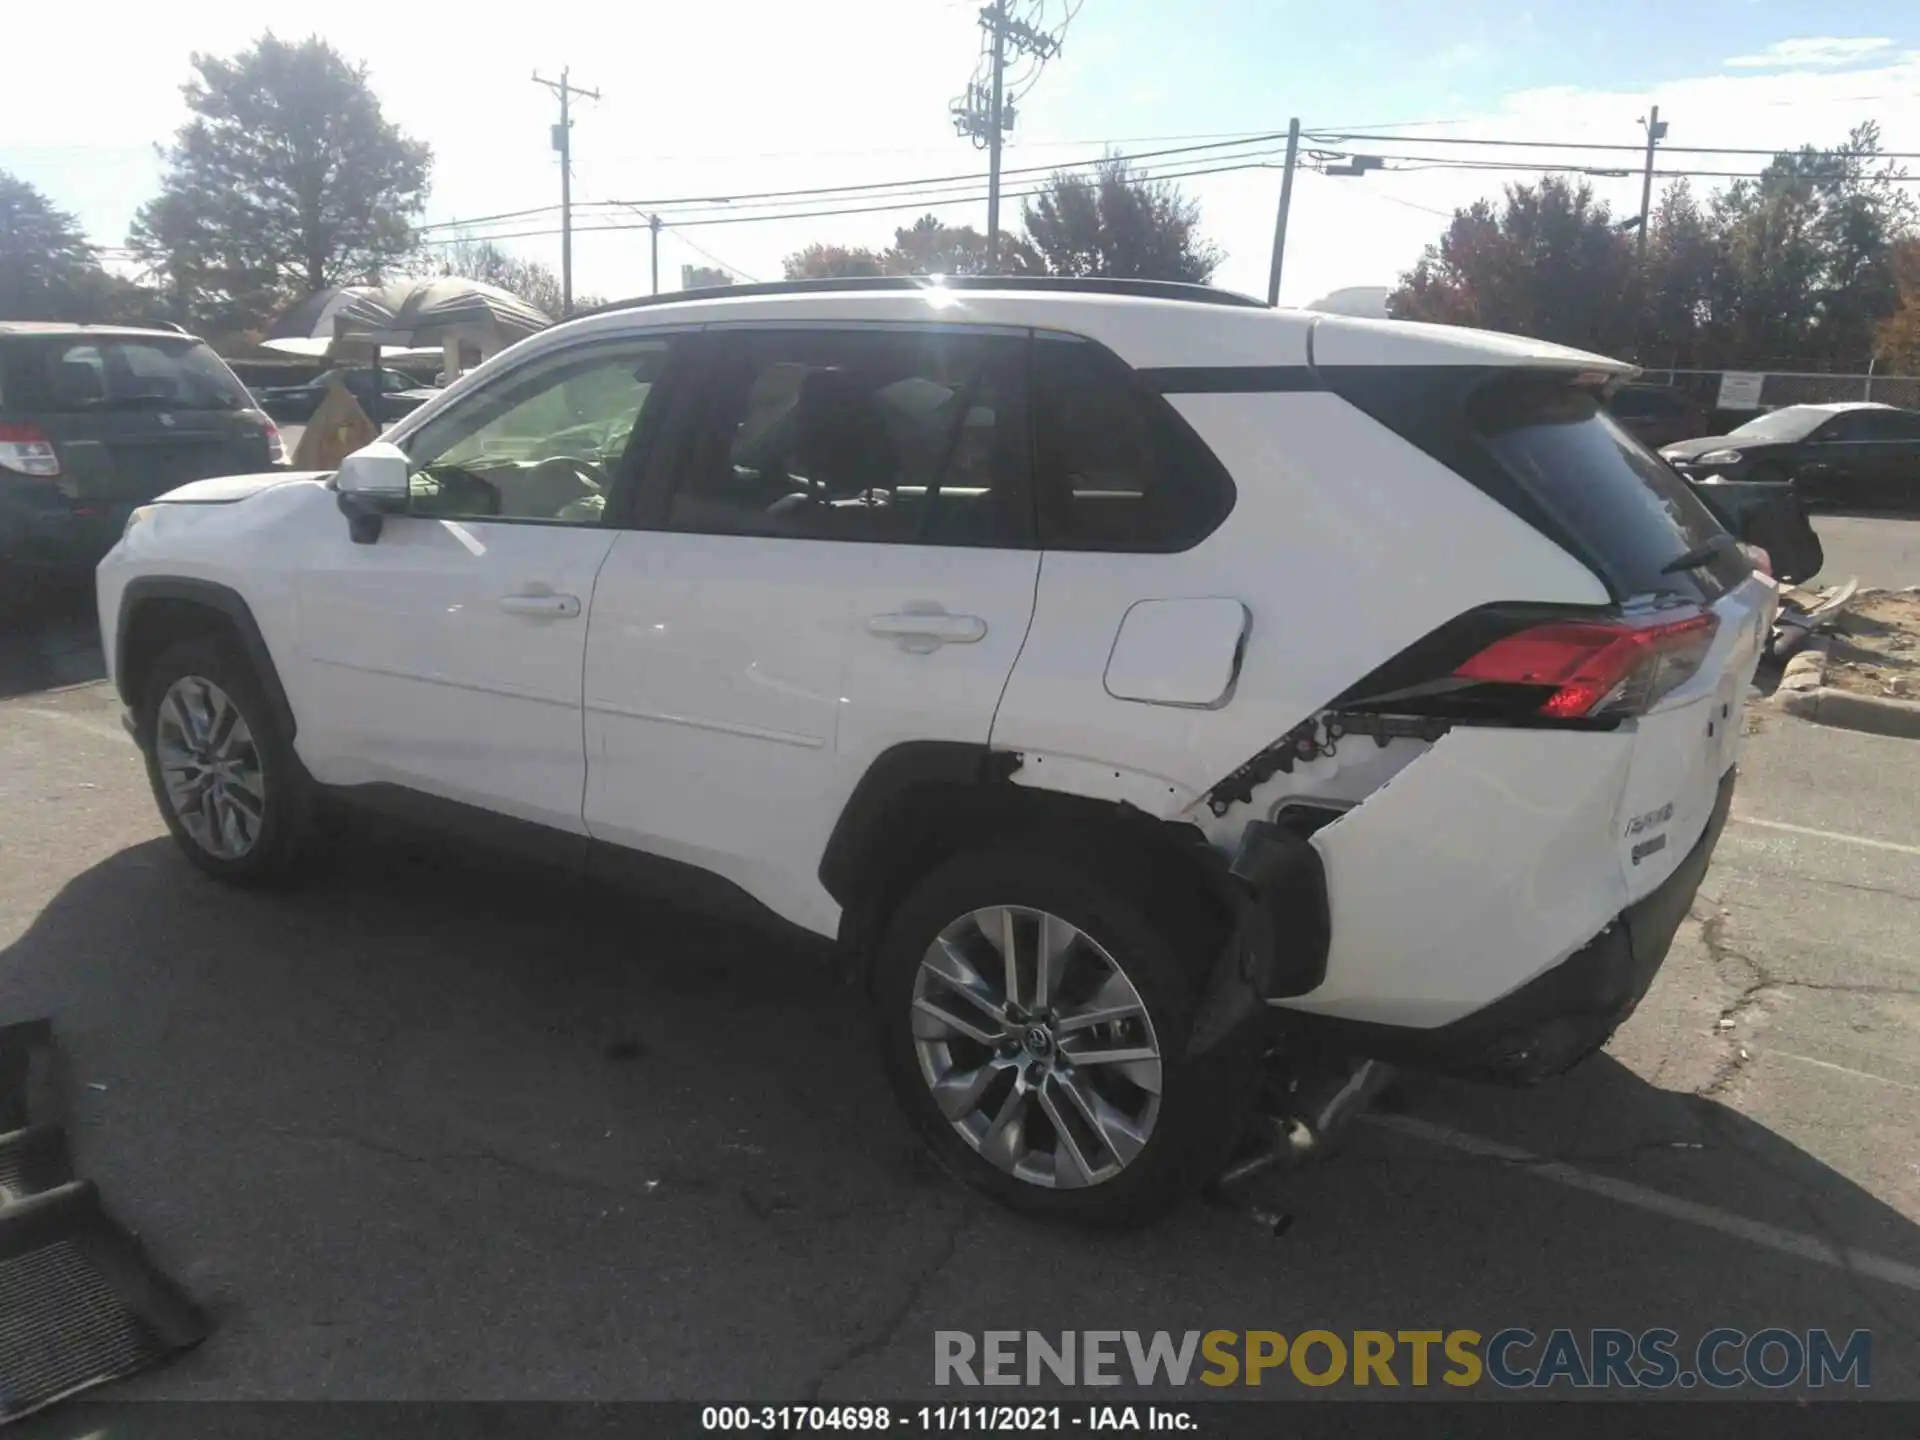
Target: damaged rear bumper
1560	1017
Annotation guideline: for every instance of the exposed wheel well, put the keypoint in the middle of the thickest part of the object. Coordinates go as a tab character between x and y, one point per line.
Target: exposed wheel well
922	825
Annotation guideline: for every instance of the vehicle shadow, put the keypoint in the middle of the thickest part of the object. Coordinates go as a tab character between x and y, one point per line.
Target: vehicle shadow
49	638
658	1144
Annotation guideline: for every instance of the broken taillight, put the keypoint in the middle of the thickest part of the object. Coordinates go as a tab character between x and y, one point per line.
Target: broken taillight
1592	669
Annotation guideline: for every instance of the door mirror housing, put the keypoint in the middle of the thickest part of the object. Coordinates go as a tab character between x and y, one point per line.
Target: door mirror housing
377	469
372	483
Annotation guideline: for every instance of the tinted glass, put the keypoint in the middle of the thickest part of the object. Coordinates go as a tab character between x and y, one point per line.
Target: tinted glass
75	375
891	437
541	446
1629	508
1796	422
1116	468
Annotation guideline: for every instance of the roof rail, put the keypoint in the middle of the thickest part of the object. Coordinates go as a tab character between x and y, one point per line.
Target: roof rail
1039	284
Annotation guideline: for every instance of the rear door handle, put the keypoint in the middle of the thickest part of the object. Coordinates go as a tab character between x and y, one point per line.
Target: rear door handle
542	607
924	632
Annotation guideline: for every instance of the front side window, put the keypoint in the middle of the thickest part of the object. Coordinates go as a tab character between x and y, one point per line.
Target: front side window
876	436
543	443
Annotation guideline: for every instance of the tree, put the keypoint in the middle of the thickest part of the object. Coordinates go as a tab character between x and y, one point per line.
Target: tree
1116	223
287	179
929	246
1681	281
833	262
1899	334
1808	254
42	250
529	279
1550	262
703	277
49	270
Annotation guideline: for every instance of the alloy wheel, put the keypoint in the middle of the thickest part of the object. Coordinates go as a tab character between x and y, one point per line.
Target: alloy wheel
210	767
1036	1046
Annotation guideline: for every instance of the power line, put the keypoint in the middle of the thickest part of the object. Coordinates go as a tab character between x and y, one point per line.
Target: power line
698	249
895	207
828	191
1341	137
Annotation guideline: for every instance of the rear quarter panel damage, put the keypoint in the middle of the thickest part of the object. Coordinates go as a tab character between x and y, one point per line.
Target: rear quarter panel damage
1480	864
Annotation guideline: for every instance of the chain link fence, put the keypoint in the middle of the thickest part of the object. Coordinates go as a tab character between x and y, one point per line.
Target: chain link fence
1794	387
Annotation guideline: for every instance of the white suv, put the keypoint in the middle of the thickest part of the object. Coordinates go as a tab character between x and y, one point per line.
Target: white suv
1141	683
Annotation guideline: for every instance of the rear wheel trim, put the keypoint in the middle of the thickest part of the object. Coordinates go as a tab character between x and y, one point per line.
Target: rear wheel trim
1036	1047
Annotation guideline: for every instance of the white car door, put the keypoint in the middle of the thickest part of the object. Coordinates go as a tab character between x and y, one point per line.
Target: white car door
446	656
838	558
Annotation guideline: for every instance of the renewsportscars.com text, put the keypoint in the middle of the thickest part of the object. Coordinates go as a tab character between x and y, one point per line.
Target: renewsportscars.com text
1511	1358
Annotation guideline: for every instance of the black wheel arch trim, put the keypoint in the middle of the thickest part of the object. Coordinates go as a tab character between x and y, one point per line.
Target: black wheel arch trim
894	774
210	595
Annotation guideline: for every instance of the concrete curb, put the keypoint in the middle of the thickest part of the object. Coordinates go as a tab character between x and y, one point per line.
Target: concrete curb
1804	692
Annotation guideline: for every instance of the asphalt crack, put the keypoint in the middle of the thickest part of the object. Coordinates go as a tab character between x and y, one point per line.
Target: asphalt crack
890	1324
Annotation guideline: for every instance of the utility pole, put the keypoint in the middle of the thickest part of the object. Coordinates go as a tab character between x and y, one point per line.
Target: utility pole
983	114
653	227
1656	132
998	132
563	142
1286	203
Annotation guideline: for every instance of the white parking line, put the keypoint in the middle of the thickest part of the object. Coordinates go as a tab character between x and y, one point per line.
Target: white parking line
1840	835
1842	1069
1771	1237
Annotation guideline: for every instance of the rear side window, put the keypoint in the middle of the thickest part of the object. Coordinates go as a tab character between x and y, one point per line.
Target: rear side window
1116	468
1630	510
80	374
901	437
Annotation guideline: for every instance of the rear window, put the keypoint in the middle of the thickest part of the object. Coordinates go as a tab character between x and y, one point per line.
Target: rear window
82	373
1626	506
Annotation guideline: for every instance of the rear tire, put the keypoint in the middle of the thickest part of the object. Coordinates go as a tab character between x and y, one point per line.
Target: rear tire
1009	1096
232	792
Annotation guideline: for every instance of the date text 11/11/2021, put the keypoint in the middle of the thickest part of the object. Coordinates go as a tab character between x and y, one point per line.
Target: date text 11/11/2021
944	1419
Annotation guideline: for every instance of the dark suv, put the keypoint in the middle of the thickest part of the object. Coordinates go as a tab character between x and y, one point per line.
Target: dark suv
95	420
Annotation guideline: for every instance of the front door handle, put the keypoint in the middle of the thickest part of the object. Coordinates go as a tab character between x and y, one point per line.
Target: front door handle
542	607
924	632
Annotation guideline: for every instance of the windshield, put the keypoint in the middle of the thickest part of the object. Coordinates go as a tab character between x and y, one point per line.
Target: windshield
1796	422
133	374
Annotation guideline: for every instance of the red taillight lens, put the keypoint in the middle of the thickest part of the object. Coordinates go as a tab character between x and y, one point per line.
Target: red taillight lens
1596	668
27	450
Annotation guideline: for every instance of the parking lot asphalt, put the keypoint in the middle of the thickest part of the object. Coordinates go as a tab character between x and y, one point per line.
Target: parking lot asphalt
422	1128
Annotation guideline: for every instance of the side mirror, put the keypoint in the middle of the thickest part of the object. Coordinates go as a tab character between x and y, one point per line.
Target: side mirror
371	484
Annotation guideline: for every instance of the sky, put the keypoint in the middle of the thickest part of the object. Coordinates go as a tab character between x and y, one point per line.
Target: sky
732	97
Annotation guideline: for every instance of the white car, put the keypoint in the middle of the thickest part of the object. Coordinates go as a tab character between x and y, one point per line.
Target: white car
1142	684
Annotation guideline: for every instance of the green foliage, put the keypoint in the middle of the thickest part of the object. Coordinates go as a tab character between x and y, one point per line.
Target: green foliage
1549	262
703	277
1111	223
1794	267
833	262
1115	223
930	247
49	271
287	179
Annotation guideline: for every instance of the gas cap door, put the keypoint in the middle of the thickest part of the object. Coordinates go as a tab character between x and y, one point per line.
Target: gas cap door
1184	653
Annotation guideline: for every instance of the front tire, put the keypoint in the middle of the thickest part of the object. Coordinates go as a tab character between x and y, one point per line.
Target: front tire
1059	1081
232	792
